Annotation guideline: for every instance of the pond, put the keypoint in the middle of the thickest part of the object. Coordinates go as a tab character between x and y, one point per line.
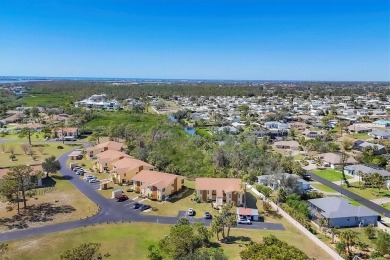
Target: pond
188	130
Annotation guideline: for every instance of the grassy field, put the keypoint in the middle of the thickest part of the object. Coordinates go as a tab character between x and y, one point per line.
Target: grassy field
203	131
22	158
330	174
386	206
368	193
138	121
45	100
299	157
360	136
131	240
61	202
322	187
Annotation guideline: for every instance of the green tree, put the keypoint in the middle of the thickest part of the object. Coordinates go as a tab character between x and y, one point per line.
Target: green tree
51	165
85	251
370	232
377	181
225	220
26	132
272	249
3	251
349	238
382	243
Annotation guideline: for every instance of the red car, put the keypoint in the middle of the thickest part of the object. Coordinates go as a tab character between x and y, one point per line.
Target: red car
122	198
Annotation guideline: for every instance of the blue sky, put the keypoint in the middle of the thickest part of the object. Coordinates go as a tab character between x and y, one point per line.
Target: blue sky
220	39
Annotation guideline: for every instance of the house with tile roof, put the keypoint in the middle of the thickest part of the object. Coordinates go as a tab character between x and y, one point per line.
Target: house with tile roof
157	185
334	159
105	160
99	148
340	213
125	169
219	190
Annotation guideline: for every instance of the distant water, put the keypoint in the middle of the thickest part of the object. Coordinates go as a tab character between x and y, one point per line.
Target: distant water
190	131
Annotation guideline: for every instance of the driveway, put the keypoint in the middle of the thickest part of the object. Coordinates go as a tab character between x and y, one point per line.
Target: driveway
369	204
110	211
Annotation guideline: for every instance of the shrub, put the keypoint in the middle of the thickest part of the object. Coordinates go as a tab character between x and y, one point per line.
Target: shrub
60	147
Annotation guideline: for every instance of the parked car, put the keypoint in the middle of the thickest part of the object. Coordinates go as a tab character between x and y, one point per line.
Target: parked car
190	212
93	180
122	198
244	221
137	205
207	215
144	207
77	168
89	177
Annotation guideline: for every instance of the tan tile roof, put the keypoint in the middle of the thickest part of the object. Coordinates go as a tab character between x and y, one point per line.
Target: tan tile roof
111	145
287	143
158	179
128	163
218	184
335	158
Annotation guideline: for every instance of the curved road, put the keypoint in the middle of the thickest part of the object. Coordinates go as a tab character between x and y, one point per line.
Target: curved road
110	211
354	196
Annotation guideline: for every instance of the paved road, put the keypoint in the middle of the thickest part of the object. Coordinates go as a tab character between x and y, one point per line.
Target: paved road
110	211
363	201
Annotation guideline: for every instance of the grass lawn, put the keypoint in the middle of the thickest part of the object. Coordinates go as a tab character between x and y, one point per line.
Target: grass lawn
330	174
361	136
131	241
386	206
299	157
22	158
138	121
368	193
322	187
203	131
61	204
45	99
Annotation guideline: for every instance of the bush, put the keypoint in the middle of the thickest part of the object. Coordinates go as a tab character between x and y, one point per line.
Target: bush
60	147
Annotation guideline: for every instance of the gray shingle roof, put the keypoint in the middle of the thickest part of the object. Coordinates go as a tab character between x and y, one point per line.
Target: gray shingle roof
335	207
366	169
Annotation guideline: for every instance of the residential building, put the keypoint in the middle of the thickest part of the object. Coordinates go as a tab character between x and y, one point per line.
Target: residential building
247	213
98	102
276	125
340	213
157	185
105	159
220	190
34	180
274	181
377	149
125	169
293	145
66	132
355	169
378	134
99	148
334	159
382	123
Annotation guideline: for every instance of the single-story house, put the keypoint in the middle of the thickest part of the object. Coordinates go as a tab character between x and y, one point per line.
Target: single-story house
293	145
382	123
66	131
37	182
157	185
274	180
110	145
105	159
276	125
248	213
313	134
340	213
333	159
298	125
355	169
380	134
219	190
228	130
125	169
358	129
377	149
76	155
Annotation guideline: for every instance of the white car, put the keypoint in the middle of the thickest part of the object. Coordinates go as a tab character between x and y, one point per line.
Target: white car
88	177
190	212
244	221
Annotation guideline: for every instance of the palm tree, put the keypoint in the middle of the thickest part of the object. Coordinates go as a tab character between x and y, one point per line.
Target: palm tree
349	238
359	173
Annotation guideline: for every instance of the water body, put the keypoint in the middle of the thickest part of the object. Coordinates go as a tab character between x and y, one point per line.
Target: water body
188	130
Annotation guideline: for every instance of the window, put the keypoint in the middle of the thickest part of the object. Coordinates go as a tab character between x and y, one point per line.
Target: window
182	181
208	192
163	190
230	195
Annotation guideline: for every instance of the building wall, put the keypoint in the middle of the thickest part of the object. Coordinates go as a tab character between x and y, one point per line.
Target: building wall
353	221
